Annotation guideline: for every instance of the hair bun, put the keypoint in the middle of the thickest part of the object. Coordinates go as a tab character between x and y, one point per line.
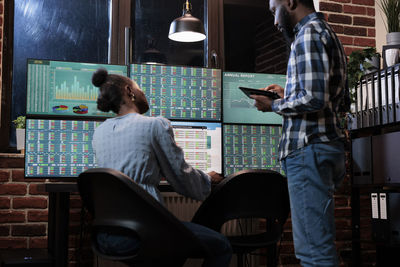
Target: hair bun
99	77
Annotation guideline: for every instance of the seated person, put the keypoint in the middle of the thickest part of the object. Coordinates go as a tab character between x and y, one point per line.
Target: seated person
144	149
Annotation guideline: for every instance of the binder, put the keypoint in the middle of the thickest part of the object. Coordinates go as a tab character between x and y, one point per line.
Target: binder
385	217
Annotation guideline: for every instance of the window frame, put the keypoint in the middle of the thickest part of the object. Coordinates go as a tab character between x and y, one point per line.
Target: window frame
6	75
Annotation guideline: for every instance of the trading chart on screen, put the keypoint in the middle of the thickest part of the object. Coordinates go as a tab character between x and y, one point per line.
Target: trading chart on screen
180	92
58	148
238	108
250	147
65	88
201	143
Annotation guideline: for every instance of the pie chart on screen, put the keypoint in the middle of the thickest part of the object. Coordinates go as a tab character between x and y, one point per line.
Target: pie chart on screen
81	109
60	109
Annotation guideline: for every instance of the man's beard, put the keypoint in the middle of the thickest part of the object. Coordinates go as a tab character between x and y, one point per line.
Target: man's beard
287	29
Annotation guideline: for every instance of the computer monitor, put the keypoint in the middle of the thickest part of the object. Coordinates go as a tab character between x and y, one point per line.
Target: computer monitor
250	147
59	88
201	144
58	148
237	107
180	92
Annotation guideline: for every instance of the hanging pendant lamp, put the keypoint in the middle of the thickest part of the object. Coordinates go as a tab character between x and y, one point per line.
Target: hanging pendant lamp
187	28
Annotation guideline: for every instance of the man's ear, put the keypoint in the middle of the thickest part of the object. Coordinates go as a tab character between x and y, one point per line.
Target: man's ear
292	4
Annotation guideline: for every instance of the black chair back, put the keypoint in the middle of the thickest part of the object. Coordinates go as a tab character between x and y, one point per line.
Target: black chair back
249	194
117	202
246	194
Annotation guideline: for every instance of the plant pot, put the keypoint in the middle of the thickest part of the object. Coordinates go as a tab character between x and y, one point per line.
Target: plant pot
393	38
375	62
391	56
21	139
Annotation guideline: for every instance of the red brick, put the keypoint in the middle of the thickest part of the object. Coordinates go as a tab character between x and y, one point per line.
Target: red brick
364	2
13	242
343	212
4	175
1	9
371	32
370	11
4	230
75	202
18	175
357	31
7	162
38	242
338	29
363	21
346	40
324	6
343	235
5	202
364	42
341	1
341	201
29	202
10	216
342	224
348	9
37	189
28	230
37	216
13	189
342	19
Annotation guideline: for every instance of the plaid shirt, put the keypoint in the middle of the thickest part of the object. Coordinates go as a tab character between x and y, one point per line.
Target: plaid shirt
316	87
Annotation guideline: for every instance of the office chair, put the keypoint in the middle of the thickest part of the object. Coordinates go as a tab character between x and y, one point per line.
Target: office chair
117	203
249	194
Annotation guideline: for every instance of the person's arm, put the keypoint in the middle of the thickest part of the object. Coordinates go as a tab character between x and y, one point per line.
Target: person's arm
181	176
309	92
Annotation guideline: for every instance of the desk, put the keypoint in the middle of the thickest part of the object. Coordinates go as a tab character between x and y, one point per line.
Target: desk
58	222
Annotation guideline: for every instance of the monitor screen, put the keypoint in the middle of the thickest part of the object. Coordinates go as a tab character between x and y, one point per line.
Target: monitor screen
250	147
179	92
201	143
238	108
65	88
58	148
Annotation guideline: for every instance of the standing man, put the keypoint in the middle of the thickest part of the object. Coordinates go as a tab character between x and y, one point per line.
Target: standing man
312	143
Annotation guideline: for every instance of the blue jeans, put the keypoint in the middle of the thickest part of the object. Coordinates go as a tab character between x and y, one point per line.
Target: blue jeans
314	172
219	246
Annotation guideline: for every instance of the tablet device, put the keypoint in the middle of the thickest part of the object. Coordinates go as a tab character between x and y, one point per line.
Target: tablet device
252	91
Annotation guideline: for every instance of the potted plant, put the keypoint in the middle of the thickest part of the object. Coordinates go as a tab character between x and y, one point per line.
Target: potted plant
19	124
391	10
360	63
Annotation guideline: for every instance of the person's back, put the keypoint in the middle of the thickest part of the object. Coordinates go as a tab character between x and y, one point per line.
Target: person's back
144	149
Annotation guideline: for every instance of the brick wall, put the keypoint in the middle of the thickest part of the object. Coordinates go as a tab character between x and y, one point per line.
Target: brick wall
353	21
24	210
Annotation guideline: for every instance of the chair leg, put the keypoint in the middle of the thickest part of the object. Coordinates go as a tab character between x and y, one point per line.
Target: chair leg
239	260
272	260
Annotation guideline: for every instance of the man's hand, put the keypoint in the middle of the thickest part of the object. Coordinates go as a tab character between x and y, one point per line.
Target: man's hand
262	103
275	88
215	177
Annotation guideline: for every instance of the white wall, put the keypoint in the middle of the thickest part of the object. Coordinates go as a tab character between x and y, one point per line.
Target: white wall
379	27
316	5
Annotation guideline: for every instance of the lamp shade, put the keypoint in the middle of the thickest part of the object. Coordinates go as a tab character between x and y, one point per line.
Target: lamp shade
187	29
